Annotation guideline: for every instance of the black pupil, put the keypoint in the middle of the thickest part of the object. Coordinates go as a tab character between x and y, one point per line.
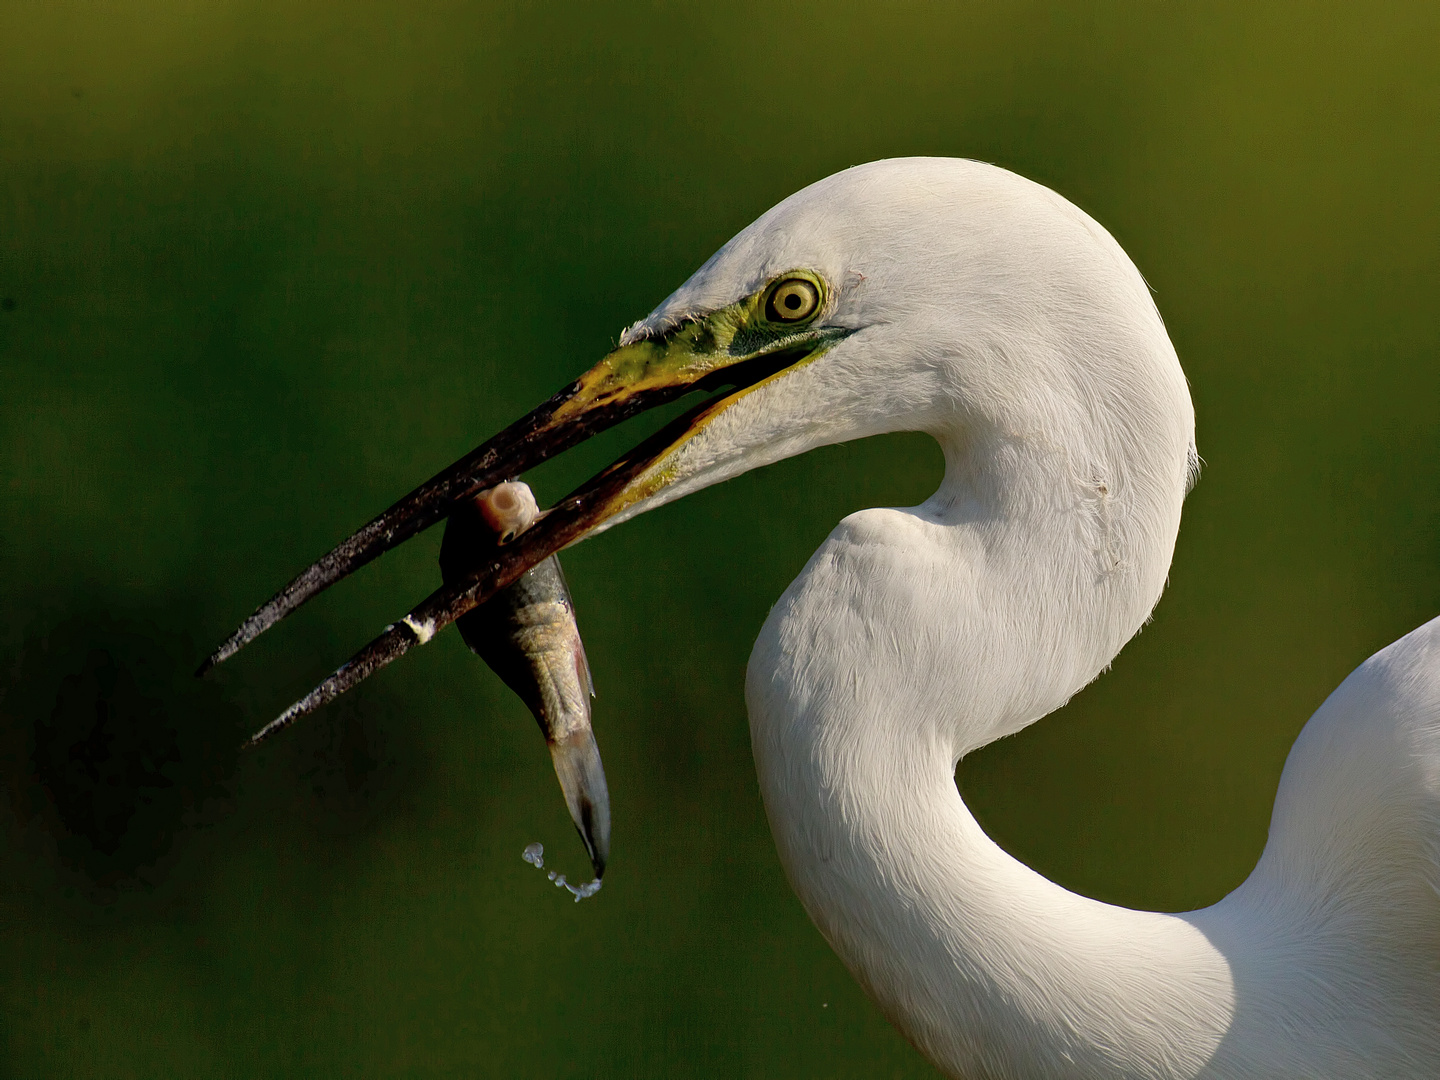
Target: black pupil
793	301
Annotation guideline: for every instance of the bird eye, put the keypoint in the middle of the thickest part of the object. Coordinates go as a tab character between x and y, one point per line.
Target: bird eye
792	300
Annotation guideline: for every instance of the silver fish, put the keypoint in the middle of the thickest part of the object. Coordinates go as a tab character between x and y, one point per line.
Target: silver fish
527	633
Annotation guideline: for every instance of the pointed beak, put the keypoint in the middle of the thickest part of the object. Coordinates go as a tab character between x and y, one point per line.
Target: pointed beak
720	353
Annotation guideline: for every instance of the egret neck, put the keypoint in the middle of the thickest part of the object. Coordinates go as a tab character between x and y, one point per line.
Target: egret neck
912	637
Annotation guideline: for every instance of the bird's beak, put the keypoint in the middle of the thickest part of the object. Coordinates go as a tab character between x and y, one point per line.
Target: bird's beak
730	352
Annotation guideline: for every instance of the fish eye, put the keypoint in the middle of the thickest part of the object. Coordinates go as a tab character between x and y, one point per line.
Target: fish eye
792	300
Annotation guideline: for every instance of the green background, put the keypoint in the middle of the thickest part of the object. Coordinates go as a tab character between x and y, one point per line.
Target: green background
265	266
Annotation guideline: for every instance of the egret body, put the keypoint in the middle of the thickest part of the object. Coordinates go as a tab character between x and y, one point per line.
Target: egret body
957	299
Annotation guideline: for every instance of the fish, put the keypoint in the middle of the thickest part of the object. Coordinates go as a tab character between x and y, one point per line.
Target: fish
528	635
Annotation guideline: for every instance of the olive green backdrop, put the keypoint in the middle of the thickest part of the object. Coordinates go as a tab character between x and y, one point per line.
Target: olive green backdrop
264	266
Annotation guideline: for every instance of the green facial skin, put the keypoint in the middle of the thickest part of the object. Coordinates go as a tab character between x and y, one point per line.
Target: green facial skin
700	347
725	339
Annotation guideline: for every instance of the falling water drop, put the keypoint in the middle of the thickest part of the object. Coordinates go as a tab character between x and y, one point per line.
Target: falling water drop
534	854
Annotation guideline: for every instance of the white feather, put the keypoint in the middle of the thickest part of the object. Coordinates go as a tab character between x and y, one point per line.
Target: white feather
992	314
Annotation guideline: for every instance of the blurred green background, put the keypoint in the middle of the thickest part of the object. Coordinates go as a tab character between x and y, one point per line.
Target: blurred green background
265	266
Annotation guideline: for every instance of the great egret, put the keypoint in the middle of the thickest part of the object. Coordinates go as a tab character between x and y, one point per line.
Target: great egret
958	299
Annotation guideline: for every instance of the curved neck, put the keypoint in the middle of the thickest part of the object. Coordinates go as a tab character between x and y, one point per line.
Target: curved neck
912	637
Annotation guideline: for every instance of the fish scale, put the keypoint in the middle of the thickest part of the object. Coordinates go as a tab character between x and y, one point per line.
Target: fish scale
528	635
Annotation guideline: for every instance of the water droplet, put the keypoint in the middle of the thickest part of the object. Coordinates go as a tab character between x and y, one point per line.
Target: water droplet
582	892
534	854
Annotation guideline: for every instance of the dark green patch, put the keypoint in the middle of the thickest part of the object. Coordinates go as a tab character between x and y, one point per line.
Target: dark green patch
758	337
110	750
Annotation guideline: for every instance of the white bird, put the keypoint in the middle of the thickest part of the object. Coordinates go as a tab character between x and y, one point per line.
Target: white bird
957	299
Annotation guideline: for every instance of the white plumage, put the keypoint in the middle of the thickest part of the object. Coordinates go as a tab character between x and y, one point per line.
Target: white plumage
997	317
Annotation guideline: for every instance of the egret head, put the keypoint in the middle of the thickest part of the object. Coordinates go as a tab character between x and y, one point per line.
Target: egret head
926	294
